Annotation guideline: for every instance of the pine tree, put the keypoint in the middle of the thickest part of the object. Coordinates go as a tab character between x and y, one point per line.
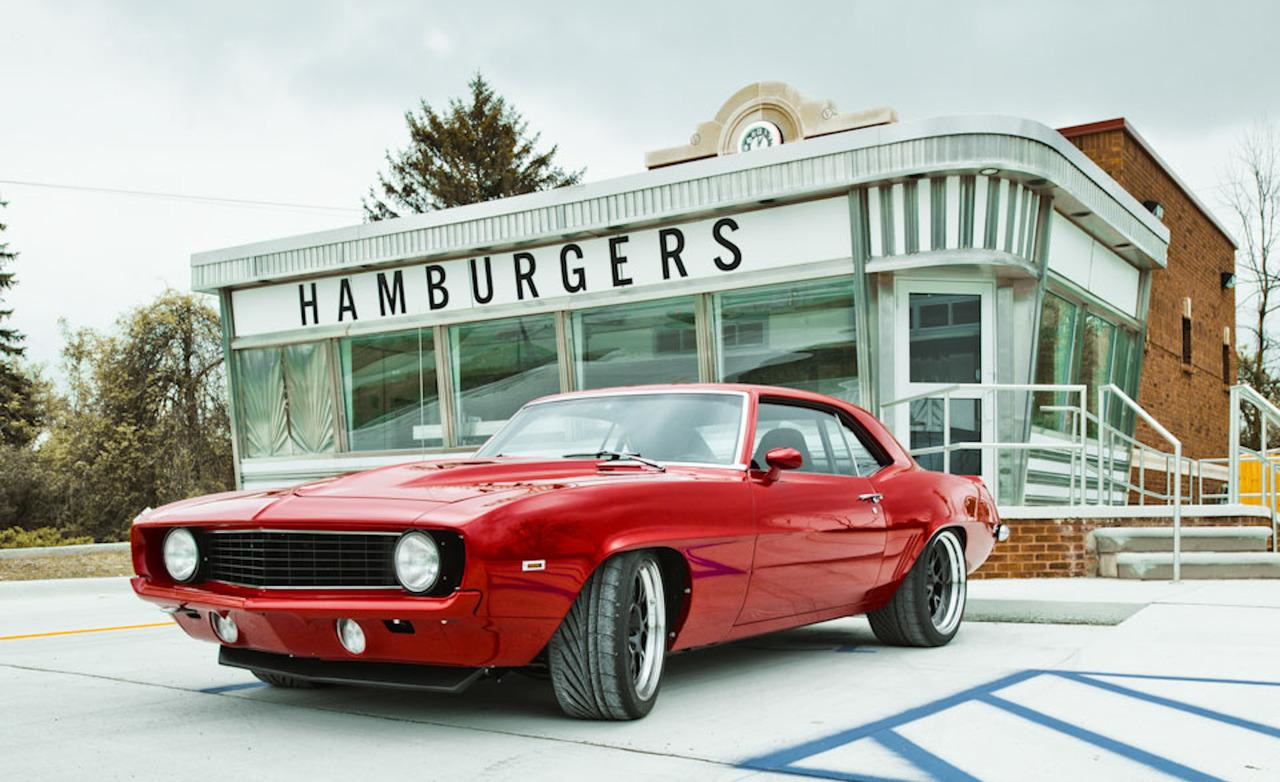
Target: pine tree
475	151
20	405
10	339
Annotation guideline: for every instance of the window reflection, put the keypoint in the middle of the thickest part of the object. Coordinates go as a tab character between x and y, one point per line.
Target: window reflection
946	338
798	336
633	344
1054	348
389	391
498	366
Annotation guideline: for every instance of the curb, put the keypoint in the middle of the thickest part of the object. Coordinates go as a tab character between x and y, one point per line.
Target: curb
61	551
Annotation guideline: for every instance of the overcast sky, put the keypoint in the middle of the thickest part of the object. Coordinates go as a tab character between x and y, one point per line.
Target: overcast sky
296	102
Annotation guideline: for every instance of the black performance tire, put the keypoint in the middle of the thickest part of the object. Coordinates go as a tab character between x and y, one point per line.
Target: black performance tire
607	656
929	605
281	680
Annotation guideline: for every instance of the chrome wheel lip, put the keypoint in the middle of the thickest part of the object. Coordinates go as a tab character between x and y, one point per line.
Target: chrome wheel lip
945	588
646	630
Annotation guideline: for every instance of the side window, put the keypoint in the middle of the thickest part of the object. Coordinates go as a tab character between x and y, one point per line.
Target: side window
866	463
815	434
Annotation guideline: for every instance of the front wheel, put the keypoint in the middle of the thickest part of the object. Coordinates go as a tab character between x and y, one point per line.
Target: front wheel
929	604
606	659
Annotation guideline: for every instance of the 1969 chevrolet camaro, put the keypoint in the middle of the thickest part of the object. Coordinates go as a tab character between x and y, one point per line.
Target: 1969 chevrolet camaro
593	535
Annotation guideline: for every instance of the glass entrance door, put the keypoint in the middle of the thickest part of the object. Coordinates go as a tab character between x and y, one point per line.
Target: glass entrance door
945	338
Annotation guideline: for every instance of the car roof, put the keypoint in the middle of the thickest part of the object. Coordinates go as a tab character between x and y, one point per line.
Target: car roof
747	388
895	451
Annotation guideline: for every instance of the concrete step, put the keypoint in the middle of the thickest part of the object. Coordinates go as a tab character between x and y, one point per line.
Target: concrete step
1158	566
1110	540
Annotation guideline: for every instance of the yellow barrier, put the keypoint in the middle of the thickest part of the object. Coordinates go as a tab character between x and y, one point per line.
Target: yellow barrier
1252	487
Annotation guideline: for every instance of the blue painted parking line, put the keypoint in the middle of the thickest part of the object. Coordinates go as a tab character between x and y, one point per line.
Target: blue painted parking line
797	759
1120	748
233	687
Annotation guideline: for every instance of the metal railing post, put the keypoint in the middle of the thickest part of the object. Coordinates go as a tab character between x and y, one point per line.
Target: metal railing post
1233	448
946	431
1177	513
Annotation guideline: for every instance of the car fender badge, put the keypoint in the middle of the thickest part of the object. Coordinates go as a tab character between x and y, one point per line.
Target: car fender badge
533	564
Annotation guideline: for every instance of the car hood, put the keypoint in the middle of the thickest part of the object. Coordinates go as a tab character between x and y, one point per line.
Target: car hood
407	491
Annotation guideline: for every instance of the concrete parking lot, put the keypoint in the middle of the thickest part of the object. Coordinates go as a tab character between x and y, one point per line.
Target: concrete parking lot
1176	681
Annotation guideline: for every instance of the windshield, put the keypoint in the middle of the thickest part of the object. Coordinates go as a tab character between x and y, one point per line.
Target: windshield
702	428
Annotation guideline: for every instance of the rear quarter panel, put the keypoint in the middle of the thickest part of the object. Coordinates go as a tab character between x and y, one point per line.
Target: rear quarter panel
918	504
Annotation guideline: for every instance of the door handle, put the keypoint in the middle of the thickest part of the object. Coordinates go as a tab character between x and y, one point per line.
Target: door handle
872	497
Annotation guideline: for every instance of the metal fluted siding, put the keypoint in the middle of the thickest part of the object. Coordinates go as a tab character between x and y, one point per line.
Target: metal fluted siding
788	179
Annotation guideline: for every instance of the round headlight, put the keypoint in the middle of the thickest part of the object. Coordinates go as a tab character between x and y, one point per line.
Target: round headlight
417	561
181	555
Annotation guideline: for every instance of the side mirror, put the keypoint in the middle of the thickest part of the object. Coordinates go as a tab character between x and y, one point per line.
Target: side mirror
780	459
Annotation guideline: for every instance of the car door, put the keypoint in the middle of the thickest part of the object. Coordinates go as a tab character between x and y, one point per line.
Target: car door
820	531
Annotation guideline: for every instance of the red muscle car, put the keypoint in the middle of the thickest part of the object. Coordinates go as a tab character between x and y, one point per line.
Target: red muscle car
593	535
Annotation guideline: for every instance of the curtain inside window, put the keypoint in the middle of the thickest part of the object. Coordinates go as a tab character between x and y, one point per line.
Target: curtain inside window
309	393
263	423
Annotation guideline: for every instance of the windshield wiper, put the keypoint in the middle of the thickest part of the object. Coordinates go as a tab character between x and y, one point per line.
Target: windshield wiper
615	456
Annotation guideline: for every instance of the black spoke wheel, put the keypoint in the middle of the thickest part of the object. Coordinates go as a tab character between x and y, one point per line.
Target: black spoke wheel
929	604
606	658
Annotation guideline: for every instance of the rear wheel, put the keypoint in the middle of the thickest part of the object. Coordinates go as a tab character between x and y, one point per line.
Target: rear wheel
281	680
606	659
929	604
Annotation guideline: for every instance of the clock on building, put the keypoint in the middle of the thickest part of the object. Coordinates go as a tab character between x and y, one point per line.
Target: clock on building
759	135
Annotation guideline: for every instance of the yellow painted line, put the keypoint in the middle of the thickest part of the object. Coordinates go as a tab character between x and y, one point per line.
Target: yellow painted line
86	630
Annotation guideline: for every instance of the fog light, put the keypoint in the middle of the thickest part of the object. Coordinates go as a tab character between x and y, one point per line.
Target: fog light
351	636
1002	532
224	627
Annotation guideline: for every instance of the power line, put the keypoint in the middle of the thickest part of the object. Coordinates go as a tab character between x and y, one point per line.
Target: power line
178	196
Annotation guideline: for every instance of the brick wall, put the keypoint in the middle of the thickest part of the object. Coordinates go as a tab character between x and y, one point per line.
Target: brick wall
1059	547
1191	400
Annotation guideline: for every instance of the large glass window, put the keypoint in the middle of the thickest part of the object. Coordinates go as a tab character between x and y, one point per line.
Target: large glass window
1095	352
634	344
1054	349
946	338
285	400
1083	347
499	365
390	392
798	336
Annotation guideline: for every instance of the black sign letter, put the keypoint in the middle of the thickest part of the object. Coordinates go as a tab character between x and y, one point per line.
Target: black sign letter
617	259
524	275
437	294
392	296
346	302
717	231
475	282
305	304
578	274
673	253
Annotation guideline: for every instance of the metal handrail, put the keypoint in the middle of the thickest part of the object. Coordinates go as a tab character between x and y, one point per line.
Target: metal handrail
1076	446
1114	446
1112	390
1267	413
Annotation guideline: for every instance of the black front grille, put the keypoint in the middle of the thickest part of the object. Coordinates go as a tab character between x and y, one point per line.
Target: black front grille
300	559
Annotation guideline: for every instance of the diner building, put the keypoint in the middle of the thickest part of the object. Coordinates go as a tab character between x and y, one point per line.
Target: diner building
787	243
